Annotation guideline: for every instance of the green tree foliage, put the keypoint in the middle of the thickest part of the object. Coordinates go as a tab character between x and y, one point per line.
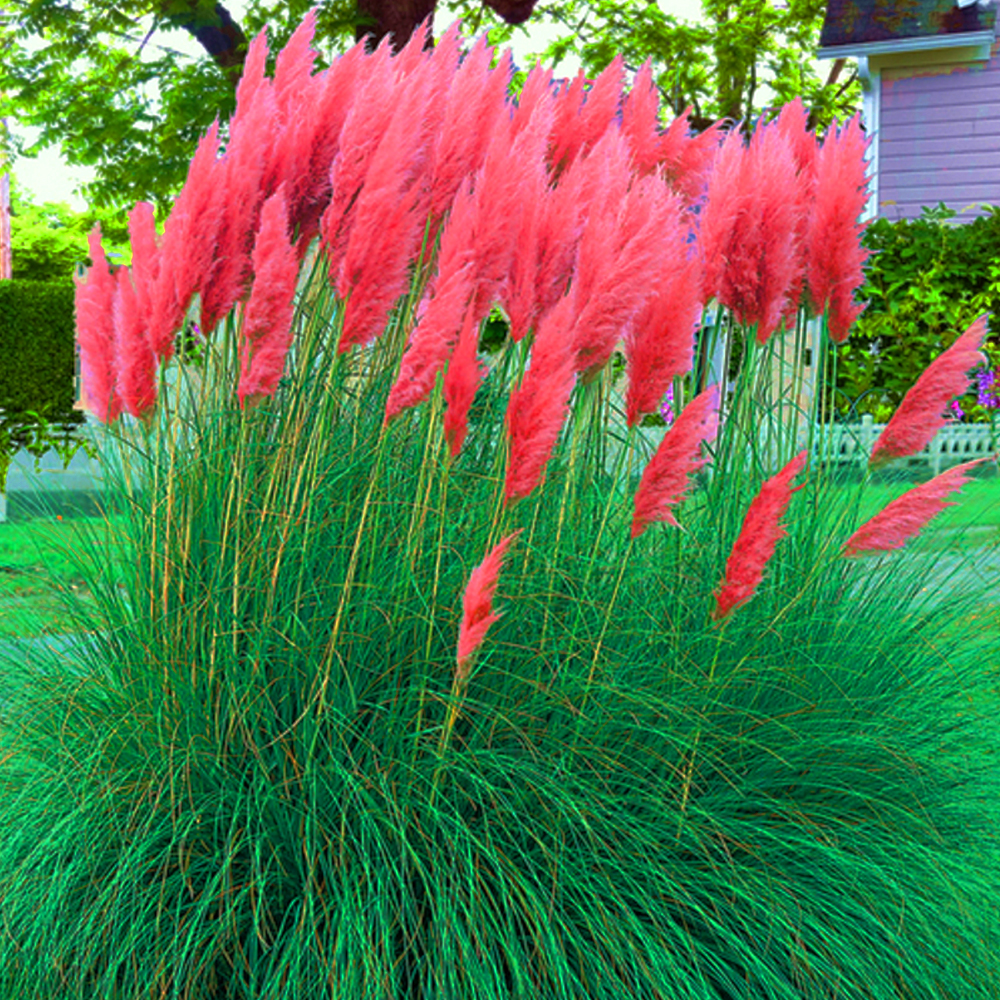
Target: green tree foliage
108	84
742	55
49	240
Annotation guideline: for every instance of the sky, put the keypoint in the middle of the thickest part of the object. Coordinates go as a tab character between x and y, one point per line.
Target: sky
48	178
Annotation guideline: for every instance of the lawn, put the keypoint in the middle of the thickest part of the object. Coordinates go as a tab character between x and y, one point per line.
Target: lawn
35	565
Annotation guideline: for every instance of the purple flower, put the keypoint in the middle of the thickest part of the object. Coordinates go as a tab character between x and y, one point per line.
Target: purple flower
986	380
956	408
665	407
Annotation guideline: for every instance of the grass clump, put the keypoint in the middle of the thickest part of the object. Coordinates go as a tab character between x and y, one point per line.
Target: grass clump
242	792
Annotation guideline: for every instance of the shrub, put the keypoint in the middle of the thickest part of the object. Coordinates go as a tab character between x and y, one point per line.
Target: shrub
925	280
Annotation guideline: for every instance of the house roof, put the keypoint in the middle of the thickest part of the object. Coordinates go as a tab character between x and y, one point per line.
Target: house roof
854	22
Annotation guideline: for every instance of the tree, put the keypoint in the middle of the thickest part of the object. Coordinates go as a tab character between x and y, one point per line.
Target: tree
718	67
50	240
101	79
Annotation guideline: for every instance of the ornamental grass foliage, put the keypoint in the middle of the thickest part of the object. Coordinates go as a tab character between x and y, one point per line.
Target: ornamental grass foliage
437	676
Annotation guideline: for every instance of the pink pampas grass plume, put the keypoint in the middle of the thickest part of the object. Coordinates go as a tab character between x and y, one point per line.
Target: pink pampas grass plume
833	251
748	229
389	214
243	166
579	123
461	380
433	338
511	163
641	240
687	159
660	344
792	123
641	120
477	604
267	321
135	363
294	65
95	334
187	251
520	293
537	408
921	414
621	242
473	107
666	479
145	249
755	545
905	516
362	131
553	222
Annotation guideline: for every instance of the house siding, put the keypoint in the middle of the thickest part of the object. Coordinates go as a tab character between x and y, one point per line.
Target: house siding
939	139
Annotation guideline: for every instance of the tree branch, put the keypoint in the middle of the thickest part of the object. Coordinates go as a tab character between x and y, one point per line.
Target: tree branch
216	31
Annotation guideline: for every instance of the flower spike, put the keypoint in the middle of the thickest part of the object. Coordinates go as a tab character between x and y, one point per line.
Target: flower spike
905	516
760	534
920	415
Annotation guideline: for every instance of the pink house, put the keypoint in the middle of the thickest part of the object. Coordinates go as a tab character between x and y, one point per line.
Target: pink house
931	73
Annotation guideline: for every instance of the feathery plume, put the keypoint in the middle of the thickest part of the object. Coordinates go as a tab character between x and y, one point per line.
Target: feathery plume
641	120
748	229
520	293
145	267
660	344
389	215
666	479
792	123
578	124
145	246
510	164
621	242
687	159
907	515
834	255
921	414
541	270
135	363
758	537
187	252
537	408
477	603
267	321
441	316
95	333
363	128
321	125
461	380
294	65
474	104
243	166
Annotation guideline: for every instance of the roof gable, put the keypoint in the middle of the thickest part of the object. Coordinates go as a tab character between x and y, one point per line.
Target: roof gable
853	22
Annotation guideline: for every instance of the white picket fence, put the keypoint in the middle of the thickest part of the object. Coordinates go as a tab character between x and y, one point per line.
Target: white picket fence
851	444
848	444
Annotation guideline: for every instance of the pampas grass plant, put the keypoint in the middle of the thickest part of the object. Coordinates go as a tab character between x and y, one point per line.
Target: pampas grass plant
275	773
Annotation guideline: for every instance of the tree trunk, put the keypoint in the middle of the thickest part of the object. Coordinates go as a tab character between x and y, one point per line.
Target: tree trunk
396	18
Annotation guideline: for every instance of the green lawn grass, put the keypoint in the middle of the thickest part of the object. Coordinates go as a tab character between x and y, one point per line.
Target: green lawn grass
35	565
